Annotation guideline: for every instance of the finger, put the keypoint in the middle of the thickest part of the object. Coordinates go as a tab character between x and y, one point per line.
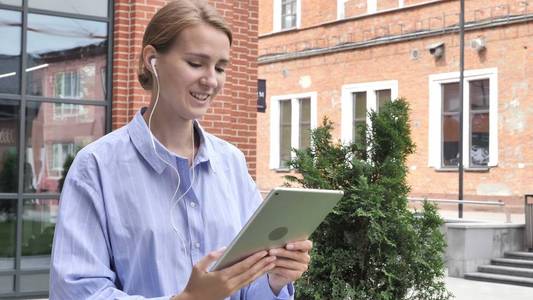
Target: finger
207	260
244	265
260	268
294	255
290	264
306	245
289	275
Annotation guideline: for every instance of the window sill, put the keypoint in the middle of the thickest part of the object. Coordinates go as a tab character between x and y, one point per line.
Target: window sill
469	170
285	170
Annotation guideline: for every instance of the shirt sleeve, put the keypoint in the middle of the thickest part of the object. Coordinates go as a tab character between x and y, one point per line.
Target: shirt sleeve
81	261
260	289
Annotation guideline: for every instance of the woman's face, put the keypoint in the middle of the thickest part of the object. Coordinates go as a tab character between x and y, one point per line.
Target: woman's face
192	72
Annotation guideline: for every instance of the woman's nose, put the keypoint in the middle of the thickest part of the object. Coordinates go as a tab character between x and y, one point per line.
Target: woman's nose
210	79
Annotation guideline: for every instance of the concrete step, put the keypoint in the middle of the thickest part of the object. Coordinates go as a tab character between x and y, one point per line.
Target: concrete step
519	255
497	278
515	263
503	270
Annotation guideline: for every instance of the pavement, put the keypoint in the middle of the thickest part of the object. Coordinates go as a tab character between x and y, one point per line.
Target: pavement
464	289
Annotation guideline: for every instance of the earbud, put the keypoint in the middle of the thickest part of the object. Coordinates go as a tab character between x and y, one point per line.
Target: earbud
152	63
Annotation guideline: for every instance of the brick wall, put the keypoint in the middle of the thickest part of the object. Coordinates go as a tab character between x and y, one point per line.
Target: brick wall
509	49
233	114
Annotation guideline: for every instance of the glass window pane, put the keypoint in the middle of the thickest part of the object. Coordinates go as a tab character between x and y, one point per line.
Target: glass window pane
55	132
360	105
285	132
10	52
34	282
450	97
8	227
38	223
305	123
383	97
359	114
66	57
479	94
11	2
6	284
450	140
82	7
479	143
9	135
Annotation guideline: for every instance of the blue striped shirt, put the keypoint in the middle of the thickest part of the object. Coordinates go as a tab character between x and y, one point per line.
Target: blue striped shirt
114	238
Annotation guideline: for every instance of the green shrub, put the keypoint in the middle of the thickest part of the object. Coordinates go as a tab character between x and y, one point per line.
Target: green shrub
371	246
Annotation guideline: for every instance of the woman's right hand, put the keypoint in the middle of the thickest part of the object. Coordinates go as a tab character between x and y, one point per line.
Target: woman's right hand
220	284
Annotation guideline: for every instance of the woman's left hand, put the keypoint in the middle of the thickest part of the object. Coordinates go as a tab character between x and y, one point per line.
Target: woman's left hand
291	262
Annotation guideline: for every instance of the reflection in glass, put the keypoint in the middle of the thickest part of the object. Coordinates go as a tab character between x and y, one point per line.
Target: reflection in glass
9	135
55	132
450	94
450	124
38	223
10	54
6	284
383	97
359	114
305	123
81	7
34	282
8	226
66	57
479	122
285	136
11	2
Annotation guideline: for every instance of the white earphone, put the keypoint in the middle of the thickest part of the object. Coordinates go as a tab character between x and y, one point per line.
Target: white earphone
173	204
152	63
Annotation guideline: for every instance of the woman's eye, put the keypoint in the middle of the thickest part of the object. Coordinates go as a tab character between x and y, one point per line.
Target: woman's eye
194	65
220	70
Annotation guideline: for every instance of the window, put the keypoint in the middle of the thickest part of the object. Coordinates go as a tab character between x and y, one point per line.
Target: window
286	14
480	148
60	152
67	85
361	98
53	101
291	119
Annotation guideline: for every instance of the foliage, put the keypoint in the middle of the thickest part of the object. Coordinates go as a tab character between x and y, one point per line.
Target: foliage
371	246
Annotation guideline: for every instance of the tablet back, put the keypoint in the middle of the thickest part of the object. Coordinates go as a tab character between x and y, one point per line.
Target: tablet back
287	214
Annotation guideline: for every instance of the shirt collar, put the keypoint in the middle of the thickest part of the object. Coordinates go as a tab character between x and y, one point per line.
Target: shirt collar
141	138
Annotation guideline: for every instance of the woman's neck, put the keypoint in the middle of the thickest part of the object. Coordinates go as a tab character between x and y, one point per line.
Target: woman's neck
175	133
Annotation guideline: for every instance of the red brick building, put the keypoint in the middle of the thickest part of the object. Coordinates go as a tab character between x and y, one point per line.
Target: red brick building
342	58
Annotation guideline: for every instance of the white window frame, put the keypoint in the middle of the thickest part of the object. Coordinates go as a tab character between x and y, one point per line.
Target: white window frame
435	115
295	123
371	102
371	6
341	9
277	15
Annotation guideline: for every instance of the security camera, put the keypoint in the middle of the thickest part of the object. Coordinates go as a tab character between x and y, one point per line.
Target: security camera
479	44
437	49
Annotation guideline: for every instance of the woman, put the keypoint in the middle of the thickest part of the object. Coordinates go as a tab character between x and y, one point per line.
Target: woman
145	208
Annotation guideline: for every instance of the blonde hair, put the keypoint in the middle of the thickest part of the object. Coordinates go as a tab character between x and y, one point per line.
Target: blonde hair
169	21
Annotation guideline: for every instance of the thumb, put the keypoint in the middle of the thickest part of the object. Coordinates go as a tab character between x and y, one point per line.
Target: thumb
210	258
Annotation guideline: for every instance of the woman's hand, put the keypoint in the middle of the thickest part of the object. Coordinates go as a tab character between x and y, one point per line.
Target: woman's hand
291	262
220	284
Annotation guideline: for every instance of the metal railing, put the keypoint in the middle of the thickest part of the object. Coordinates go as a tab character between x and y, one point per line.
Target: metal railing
498	203
529	221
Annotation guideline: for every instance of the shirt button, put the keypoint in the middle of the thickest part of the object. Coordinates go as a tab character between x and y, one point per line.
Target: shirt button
197	245
193	205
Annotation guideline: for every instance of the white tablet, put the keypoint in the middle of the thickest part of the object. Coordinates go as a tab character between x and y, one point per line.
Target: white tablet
287	214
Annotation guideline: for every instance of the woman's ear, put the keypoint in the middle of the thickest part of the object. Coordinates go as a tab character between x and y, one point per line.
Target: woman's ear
149	55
